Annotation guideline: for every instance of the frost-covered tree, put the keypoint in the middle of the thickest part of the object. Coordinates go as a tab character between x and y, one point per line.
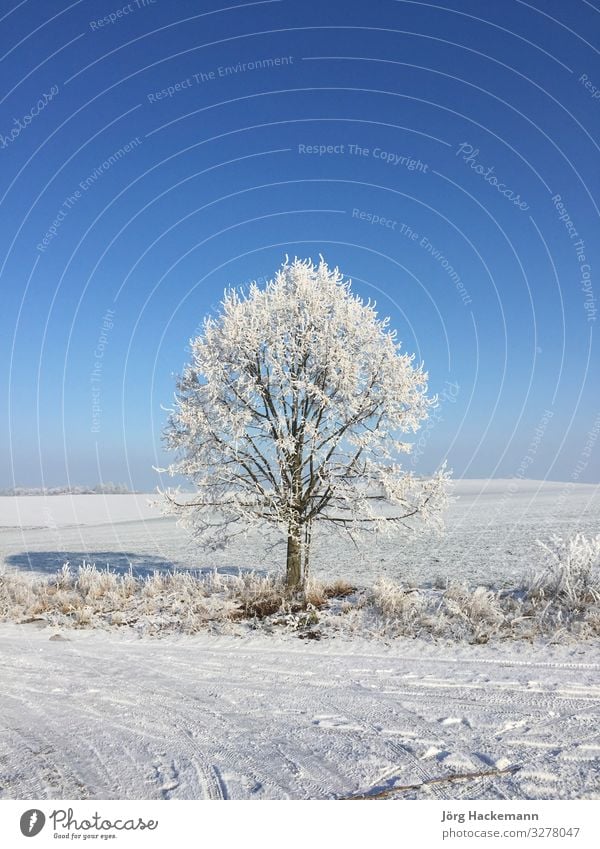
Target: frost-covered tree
292	411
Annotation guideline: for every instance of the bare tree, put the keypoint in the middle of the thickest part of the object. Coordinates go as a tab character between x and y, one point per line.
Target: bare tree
292	411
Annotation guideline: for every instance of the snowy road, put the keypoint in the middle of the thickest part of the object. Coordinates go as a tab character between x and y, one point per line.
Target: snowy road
105	715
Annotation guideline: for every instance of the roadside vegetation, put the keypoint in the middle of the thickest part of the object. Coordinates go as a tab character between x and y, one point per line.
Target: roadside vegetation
562	601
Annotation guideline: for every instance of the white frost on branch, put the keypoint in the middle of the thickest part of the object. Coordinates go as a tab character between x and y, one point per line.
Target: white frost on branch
294	409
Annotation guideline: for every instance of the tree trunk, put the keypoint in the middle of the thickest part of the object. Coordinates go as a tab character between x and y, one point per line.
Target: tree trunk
306	552
294	578
293	573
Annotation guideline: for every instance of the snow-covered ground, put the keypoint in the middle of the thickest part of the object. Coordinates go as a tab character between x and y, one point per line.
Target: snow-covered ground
490	536
106	715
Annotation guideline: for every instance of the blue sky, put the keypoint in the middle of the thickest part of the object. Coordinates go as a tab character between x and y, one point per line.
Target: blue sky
152	158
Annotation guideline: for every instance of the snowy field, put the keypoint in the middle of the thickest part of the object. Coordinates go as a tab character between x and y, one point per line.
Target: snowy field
109	714
105	715
491	529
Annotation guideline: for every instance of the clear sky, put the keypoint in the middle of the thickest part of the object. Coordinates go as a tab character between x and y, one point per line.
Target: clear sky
153	154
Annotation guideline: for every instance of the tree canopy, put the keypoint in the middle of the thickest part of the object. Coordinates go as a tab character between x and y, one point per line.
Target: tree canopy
294	409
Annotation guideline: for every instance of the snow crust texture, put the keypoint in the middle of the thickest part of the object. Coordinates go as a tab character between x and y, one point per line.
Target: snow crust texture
100	715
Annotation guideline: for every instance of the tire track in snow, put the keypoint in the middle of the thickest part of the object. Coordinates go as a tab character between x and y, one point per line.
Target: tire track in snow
200	717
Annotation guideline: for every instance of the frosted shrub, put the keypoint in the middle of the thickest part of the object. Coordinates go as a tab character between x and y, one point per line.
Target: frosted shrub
479	611
566	594
15	595
338	589
93	583
316	594
402	608
128	584
572	576
591	622
477	606
86	577
155	584
459	612
258	595
485	607
64	577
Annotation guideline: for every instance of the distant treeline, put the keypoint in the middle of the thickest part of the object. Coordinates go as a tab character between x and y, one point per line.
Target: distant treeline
100	489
